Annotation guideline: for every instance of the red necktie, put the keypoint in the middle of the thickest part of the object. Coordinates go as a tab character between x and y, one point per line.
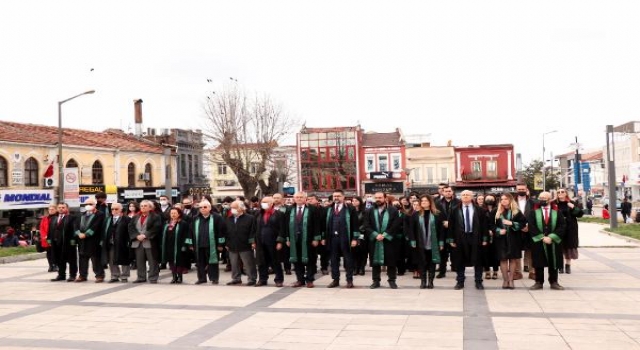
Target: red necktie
546	215
299	215
143	218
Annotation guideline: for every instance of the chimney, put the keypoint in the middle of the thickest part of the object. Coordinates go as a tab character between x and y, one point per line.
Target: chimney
137	108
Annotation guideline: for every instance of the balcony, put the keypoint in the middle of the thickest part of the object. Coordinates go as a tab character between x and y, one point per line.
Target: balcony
477	176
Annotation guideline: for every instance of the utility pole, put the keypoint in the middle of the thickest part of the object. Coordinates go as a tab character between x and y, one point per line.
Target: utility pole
611	155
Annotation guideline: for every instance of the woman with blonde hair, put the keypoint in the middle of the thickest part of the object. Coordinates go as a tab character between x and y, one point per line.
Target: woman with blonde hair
507	220
426	235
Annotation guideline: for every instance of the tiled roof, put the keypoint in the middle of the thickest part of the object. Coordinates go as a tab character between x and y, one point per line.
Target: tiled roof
48	135
382	139
593	156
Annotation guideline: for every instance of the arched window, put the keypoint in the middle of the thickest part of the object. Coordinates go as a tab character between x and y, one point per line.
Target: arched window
31	172
71	163
148	174
4	172
131	175
97	174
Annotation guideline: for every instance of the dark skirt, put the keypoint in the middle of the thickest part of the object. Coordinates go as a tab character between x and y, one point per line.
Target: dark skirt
508	246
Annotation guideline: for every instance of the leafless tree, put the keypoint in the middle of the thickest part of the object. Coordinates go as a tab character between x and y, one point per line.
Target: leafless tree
245	130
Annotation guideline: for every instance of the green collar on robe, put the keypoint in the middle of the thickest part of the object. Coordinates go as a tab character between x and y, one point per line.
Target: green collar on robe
213	253
435	245
556	239
175	243
293	249
378	249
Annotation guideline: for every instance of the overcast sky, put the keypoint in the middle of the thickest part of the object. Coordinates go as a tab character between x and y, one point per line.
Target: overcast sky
474	72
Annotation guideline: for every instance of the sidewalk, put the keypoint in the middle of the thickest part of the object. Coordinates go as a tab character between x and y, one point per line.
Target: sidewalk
593	235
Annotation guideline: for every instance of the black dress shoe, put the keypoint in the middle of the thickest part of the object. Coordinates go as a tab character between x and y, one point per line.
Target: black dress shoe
479	285
349	284
113	280
250	284
71	279
333	284
393	285
214	282
233	283
441	275
536	286
139	281
556	286
200	282
459	285
261	283
324	271
287	272
423	284
59	278
430	284
374	285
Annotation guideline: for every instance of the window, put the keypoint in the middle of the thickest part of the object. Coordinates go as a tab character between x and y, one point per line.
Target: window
370	163
31	172
4	172
492	169
131	175
222	169
395	162
148	171
97	173
183	165
476	170
416	174
190	167
196	166
383	164
444	175
429	175
253	168
71	163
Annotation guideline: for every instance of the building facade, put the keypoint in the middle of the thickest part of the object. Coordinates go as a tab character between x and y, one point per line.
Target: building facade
105	161
429	166
485	168
329	158
383	164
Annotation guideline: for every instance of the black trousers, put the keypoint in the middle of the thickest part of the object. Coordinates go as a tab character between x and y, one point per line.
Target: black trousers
50	258
204	268
444	256
340	247
305	272
553	275
360	256
427	265
377	270
96	264
70	256
270	260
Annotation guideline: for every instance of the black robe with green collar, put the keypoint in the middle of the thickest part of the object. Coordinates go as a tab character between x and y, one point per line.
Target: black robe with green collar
543	254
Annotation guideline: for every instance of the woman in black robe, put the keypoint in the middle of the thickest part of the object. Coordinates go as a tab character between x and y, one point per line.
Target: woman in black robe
176	243
507	220
571	211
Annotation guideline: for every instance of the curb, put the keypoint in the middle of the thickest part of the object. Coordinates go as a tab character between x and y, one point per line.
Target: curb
626	238
23	257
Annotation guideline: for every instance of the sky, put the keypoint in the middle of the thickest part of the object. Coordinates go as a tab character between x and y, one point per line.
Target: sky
473	72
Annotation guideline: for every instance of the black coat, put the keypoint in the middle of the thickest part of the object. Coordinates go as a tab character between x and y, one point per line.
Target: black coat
66	231
273	227
121	241
393	231
509	245
314	225
353	226
241	233
539	257
570	240
468	254
90	245
414	234
175	244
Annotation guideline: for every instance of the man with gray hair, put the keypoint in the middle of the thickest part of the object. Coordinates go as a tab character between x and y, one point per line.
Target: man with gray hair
241	242
209	234
115	244
143	229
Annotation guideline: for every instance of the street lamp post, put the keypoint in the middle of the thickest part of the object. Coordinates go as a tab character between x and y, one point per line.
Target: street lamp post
60	174
544	172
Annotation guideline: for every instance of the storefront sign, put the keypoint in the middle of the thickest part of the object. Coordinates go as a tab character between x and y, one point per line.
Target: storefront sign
133	194
387	187
381	175
144	192
198	191
72	187
25	199
174	192
89	191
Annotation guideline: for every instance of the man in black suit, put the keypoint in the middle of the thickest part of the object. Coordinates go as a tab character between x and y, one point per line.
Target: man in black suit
116	244
446	203
468	232
88	232
341	235
269	226
144	228
62	241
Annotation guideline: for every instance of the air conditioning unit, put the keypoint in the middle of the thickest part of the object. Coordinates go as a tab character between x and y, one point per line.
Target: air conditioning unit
144	177
229	182
49	182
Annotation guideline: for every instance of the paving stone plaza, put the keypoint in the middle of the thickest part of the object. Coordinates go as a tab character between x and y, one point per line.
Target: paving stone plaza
600	309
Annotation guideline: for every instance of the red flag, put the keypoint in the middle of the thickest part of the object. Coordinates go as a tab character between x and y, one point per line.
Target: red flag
49	171
624	178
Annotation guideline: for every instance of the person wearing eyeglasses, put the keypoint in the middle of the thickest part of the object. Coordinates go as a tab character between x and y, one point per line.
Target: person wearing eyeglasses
115	244
571	210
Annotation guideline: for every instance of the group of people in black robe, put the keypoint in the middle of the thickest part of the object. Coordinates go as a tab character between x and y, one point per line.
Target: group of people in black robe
420	233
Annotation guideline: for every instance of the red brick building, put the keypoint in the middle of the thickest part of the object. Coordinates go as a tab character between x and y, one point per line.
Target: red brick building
485	168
